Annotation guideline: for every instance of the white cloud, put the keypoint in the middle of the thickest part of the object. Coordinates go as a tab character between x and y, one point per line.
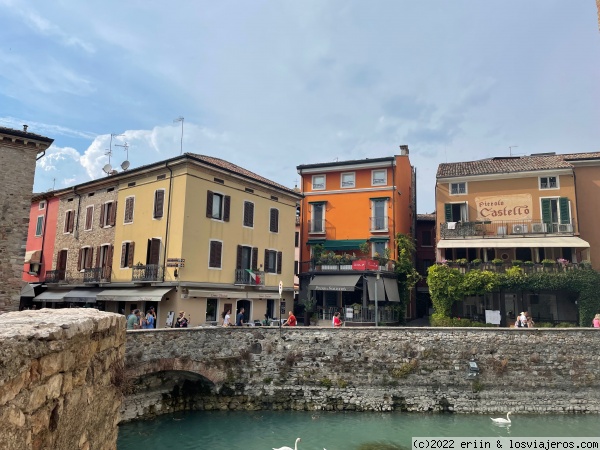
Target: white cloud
45	128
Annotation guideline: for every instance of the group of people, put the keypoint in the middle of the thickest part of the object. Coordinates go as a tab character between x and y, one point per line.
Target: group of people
524	321
239	318
182	320
136	320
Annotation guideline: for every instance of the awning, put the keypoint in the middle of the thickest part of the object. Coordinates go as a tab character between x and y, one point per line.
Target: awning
315	241
391	289
82	295
33	257
371	283
343	244
205	293
51	296
137	295
379	239
333	282
266	295
524	242
28	290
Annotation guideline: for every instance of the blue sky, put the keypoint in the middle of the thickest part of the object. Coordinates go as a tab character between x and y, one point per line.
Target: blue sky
269	85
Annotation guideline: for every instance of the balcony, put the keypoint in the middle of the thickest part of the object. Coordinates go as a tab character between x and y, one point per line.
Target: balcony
55	276
246	278
147	273
505	228
313	266
97	275
316	227
528	268
379	224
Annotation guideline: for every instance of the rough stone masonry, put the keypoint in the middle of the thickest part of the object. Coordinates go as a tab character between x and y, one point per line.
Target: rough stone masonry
60	379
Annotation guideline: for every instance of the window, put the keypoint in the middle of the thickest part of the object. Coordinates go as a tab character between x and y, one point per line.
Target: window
379	218
108	213
549	183
378	248
214	255
426	238
379	177
458	188
274	220
84	261
273	261
69	221
39	226
556	214
348	180
217	206
296	239
296	267
317	224
127	251
159	203
89	217
456	212
426	264
318	182
211	309
42	205
129	205
248	214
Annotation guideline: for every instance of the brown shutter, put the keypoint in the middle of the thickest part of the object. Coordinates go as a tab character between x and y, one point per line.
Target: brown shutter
71	221
209	203
109	260
238	262
215	254
79	259
274	222
89	214
67	219
129	210
113	214
155	251
123	254
254	258
219	253
102	208
211	255
266	263
226	207
98	251
279	261
131	253
159	201
88	259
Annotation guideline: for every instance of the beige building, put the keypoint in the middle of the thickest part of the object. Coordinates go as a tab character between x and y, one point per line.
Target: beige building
19	151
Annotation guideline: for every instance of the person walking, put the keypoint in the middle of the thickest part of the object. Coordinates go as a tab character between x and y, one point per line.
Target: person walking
226	318
239	319
291	320
149	320
337	322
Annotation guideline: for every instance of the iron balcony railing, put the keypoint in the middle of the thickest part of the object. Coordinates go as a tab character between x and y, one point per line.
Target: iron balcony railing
149	272
316	266
55	276
316	226
379	223
554	267
97	275
504	228
249	278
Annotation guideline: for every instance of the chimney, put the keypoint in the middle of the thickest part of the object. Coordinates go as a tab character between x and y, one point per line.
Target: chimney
404	150
25	128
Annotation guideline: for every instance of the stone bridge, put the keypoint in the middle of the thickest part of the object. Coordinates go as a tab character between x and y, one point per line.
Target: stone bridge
363	369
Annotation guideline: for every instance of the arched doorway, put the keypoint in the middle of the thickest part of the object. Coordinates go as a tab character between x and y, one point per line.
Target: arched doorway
247	305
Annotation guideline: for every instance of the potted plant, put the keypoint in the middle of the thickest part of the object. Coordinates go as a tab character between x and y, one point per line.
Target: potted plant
476	262
497	262
528	263
548	263
462	262
517	263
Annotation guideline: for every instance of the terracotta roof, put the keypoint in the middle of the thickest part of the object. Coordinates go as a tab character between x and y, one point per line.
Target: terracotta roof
345	163
426	217
25	134
218	162
511	164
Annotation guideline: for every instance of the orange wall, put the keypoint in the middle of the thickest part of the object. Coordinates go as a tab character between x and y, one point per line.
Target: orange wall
47	238
588	194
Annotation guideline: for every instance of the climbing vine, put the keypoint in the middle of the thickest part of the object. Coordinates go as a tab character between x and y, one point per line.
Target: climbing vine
406	273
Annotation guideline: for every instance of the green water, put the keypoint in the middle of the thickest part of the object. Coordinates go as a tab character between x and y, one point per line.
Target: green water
263	430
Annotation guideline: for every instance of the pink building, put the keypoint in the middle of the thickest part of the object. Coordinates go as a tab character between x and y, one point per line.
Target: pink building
40	242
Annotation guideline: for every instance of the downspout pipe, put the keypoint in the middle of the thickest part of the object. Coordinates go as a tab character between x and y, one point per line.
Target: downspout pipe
44	238
168	218
41	156
76	230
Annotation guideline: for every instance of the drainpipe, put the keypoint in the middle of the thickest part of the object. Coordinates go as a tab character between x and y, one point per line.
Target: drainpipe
41	156
168	218
395	254
76	231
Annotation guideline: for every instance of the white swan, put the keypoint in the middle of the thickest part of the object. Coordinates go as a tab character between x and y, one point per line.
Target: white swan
289	448
502	419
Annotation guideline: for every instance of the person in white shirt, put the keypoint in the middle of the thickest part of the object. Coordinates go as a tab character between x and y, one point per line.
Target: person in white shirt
227	318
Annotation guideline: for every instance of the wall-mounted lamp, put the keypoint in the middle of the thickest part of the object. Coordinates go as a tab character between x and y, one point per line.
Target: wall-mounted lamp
176	273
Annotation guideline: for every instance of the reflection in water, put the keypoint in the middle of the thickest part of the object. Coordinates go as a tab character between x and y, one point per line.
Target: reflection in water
263	430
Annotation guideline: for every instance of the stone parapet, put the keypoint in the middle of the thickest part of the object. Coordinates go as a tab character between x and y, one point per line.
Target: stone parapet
60	379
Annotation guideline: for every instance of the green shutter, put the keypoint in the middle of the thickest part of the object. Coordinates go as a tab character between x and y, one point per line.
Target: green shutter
563	207
448	212
546	211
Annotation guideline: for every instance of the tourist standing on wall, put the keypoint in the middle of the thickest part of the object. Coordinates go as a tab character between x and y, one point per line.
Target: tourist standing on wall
239	319
291	320
596	321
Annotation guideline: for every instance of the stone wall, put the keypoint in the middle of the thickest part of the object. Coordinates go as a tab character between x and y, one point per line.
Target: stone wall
18	151
362	369
61	375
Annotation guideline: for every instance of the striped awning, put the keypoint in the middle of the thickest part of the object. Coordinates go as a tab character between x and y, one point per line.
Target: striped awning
33	257
518	242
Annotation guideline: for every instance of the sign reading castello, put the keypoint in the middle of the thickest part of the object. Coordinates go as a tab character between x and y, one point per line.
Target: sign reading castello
505	207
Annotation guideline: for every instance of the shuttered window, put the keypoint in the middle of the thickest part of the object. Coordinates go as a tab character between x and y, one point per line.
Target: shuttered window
271	261
84	260
108	214
69	221
127	251
218	206
274	220
215	251
39	226
89	217
129	205
279	261
565	210
248	214
159	202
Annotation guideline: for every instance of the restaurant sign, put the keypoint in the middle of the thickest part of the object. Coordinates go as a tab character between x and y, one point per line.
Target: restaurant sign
365	264
504	207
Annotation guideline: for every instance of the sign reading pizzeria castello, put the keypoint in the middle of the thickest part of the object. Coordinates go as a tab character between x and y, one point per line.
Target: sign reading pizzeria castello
504	207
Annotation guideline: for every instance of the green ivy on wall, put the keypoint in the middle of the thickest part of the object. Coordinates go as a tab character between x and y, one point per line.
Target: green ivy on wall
448	285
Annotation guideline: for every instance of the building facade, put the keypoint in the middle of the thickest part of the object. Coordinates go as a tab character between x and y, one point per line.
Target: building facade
19	151
353	210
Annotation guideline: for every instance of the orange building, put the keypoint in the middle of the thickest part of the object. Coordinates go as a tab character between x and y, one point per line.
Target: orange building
353	210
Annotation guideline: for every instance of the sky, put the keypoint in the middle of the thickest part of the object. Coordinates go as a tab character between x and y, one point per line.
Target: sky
272	84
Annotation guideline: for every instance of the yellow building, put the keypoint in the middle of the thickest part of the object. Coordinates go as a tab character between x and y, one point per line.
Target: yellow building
201	235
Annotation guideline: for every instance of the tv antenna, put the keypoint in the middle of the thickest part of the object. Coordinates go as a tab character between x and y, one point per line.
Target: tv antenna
180	119
510	149
125	164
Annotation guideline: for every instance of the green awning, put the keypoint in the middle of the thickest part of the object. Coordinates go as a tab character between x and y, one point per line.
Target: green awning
379	239
343	244
315	241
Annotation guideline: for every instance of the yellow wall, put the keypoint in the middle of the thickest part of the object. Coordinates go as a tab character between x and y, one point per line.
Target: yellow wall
588	193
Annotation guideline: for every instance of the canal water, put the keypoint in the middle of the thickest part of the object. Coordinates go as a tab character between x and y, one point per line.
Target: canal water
264	430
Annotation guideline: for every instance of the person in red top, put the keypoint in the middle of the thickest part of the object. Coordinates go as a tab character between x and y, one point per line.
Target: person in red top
291	320
337	322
